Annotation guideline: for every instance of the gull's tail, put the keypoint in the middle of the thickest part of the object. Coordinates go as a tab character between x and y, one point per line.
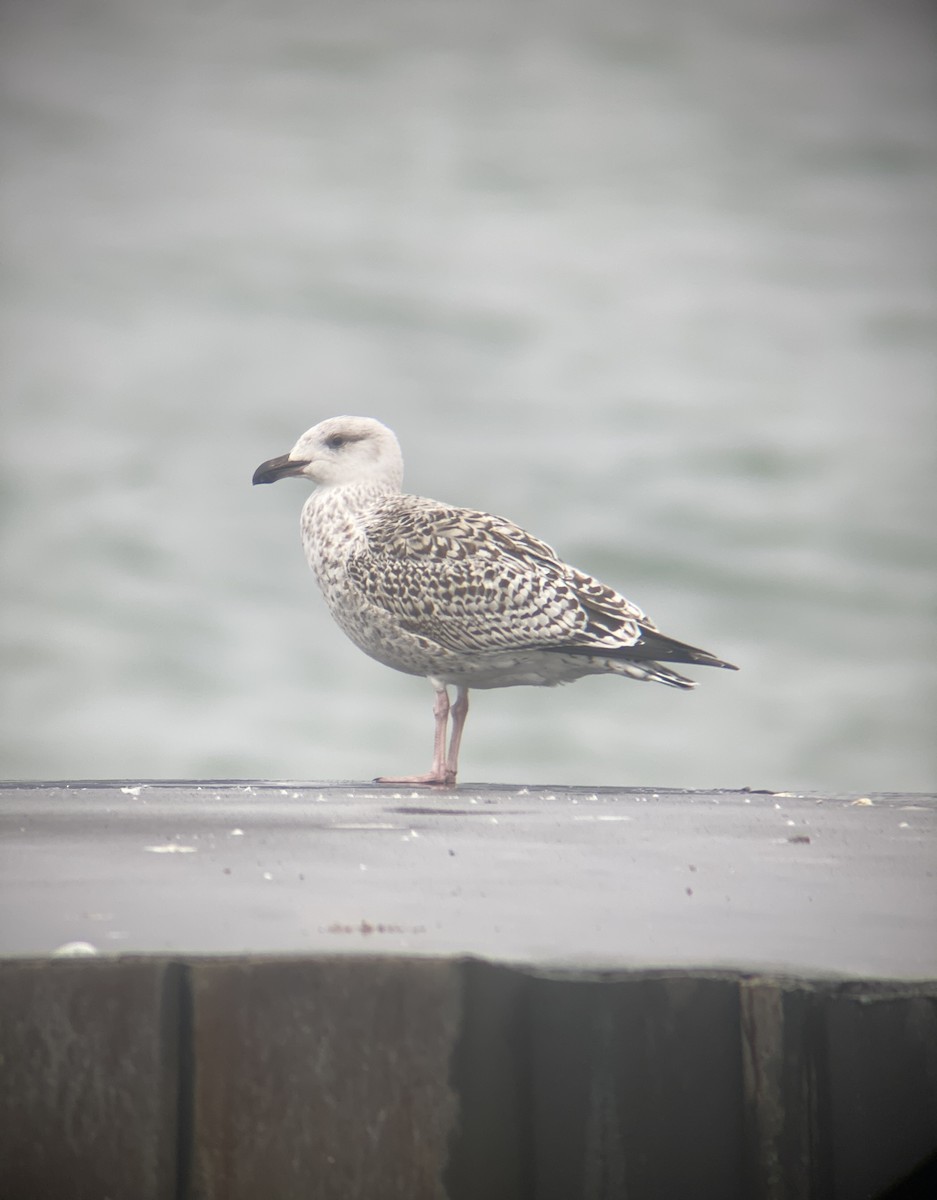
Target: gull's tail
645	658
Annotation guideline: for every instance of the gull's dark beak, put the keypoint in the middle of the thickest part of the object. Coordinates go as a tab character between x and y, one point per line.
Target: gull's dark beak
278	468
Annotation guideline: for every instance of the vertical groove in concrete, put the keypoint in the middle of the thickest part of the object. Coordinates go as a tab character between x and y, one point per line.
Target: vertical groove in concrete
490	1149
761	1028
185	1084
783	1057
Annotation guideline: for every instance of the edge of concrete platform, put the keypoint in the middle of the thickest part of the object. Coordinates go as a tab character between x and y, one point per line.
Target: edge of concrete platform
468	786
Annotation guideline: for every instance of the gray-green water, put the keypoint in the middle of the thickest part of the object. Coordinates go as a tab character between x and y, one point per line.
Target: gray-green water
658	281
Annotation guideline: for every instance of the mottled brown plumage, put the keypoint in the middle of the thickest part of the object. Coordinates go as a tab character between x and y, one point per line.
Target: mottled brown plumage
462	597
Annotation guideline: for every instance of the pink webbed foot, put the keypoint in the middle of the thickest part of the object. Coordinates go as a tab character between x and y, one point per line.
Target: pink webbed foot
430	778
445	767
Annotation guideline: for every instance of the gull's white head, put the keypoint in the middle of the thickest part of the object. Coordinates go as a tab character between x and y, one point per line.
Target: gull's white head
339	451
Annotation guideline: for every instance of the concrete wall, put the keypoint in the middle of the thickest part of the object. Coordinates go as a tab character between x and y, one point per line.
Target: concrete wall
344	1077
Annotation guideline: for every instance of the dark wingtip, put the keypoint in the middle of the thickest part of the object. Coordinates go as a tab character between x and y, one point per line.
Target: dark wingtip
658	646
709	660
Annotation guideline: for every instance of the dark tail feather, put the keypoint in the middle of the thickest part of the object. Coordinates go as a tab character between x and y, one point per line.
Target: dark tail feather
656	645
651	647
654	672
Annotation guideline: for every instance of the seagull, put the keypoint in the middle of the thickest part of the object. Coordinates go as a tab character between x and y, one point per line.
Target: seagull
463	598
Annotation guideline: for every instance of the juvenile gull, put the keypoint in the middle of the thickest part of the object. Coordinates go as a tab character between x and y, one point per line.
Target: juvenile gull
464	598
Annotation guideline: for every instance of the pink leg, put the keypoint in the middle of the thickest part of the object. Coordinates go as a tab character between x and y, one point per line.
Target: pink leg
439	772
459	713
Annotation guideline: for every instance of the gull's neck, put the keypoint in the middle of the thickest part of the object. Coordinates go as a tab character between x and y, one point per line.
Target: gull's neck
356	493
341	506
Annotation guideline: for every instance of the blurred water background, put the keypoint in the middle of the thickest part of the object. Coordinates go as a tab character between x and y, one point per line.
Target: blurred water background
656	280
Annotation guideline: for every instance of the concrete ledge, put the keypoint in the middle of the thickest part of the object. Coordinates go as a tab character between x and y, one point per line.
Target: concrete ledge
606	878
488	994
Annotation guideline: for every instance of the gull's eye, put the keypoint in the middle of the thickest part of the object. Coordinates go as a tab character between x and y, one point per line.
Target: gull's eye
336	441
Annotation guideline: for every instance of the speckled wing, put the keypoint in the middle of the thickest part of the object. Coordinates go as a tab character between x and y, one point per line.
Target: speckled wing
471	581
